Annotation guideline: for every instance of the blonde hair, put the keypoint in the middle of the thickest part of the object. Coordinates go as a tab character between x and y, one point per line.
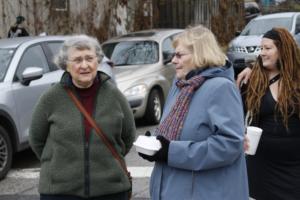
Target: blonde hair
203	45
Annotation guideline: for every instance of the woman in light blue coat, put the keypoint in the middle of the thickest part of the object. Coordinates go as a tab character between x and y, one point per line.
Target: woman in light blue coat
202	129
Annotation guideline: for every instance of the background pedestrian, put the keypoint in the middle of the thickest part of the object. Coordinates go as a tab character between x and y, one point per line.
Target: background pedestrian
18	30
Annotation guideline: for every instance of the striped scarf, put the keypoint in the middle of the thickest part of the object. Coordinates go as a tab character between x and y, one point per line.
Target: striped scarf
172	125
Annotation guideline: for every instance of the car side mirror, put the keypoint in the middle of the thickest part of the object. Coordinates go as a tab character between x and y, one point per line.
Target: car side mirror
30	74
167	57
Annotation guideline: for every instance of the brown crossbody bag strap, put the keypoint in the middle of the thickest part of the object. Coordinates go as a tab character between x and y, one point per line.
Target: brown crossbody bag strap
98	131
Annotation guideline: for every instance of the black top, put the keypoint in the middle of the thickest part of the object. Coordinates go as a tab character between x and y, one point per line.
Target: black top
274	79
274	171
16	31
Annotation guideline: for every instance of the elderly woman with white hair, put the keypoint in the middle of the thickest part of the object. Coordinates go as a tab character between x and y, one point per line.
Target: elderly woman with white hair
77	162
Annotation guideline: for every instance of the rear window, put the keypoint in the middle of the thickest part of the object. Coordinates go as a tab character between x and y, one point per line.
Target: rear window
259	27
132	52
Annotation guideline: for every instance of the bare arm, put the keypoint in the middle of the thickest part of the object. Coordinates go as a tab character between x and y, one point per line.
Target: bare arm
243	77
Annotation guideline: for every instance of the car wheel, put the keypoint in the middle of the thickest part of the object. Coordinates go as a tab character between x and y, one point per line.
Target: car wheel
5	153
154	107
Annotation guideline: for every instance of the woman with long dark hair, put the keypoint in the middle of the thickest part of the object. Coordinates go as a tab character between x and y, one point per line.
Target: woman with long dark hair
272	101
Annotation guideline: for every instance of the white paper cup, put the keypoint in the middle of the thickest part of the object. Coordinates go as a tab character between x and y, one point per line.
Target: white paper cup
253	134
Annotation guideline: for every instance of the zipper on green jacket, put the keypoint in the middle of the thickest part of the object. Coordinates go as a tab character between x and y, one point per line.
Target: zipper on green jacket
86	168
87	150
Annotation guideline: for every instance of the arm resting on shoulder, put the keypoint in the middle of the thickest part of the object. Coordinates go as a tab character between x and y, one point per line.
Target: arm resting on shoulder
243	77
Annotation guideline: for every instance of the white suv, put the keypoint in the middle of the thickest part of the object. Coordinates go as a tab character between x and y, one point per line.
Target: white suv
246	46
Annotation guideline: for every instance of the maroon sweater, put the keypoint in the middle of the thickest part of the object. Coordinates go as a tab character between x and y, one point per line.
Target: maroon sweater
87	98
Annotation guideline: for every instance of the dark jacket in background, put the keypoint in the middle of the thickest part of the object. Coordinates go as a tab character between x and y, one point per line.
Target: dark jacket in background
16	31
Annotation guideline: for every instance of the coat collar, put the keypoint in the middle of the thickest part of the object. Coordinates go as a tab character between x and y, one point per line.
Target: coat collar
66	79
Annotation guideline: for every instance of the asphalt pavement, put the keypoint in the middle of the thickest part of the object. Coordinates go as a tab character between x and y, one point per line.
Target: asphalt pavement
21	182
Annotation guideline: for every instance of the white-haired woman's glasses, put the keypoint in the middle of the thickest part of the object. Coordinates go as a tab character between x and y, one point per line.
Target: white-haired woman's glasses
79	60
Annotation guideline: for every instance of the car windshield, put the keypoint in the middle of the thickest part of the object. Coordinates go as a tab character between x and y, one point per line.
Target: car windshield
259	27
132	52
5	58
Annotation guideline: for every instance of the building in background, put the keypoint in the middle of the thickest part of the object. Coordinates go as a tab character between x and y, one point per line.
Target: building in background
106	18
223	17
101	19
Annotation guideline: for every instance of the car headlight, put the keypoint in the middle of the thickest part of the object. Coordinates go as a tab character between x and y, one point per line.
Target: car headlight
230	48
136	90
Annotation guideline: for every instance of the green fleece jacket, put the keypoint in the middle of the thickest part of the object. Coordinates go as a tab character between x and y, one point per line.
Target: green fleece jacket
69	164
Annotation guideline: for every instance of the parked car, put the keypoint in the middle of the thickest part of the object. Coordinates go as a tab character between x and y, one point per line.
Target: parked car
143	69
26	71
252	10
246	46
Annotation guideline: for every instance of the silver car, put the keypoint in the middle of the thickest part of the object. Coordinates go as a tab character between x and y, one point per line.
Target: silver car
246	46
26	71
143	69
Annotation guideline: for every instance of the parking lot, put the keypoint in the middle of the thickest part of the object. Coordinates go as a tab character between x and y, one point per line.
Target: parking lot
22	181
